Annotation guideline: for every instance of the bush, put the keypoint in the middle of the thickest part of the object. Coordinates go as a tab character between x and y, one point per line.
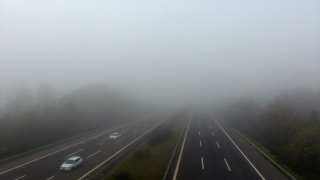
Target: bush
123	176
140	154
160	134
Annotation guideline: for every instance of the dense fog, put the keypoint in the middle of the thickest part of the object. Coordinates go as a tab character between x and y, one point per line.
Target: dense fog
71	67
169	53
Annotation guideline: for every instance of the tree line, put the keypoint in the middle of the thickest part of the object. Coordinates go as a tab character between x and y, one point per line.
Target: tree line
290	133
27	124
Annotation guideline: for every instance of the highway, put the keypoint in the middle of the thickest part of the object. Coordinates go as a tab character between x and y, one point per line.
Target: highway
213	150
95	148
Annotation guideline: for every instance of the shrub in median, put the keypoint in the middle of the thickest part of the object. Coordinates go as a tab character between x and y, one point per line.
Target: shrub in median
140	154
160	134
123	176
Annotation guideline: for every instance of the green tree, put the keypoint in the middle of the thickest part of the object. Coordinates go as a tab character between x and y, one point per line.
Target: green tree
314	116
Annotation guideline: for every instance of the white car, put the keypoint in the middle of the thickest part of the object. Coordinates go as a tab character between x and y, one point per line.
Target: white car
115	135
71	163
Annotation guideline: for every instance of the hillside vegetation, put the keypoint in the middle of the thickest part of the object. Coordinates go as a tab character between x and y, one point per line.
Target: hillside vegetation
29	123
285	128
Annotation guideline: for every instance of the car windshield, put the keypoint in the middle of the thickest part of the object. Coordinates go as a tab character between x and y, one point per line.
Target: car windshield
69	161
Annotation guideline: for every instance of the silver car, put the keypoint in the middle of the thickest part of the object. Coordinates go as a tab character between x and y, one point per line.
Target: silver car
71	163
115	135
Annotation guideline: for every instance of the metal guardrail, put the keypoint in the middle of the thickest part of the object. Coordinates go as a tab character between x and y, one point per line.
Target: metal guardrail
64	140
174	152
52	144
113	163
271	160
87	175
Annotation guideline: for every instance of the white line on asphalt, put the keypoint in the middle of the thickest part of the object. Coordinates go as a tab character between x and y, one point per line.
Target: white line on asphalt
178	163
218	144
227	164
64	148
199	132
200	143
93	154
74	153
121	150
94	137
39	158
136	130
120	139
202	162
50	178
20	177
105	139
212	134
238	148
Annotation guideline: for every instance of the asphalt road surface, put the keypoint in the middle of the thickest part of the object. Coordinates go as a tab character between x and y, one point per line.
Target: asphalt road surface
213	150
94	148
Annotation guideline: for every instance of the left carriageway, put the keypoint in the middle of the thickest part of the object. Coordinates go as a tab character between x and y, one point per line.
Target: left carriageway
95	149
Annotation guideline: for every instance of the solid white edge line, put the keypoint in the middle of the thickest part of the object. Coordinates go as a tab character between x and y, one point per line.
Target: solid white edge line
217	144
238	148
50	178
93	154
39	158
212	133
202	162
74	153
67	147
266	155
227	164
120	139
120	151
20	177
184	140
200	143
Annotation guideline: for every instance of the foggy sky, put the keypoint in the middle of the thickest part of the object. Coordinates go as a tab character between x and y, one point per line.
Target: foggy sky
168	52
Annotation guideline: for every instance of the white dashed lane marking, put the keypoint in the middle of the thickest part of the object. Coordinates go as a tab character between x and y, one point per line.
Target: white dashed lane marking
93	154
50	178
20	177
202	162
227	164
74	153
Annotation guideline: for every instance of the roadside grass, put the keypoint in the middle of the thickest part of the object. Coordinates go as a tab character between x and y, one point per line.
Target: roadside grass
273	157
154	164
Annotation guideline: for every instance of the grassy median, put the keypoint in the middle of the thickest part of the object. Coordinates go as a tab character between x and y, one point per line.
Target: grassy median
150	161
